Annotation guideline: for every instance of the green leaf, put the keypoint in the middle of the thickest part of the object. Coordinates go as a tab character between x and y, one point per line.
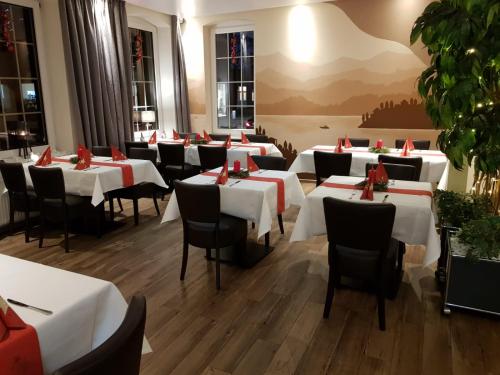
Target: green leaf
492	14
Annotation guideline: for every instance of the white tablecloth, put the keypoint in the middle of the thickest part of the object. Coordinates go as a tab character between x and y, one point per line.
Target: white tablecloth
96	181
434	163
250	200
238	151
414	223
86	311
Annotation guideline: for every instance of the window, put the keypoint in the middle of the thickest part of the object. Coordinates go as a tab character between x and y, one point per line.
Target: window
234	66
22	121
145	111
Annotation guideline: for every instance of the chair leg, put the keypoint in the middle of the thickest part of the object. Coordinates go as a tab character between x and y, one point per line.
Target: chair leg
266	241
66	237
184	258
42	230
156	204
11	218
381	310
208	253
217	267
280	222
27	226
253	225
329	293
120	204
136	211
111	209
101	220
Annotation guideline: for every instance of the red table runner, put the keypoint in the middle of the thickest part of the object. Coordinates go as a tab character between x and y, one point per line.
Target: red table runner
389	190
262	149
127	171
332	149
280	183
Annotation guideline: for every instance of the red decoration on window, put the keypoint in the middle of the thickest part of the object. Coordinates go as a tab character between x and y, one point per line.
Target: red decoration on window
6	25
138	46
234	44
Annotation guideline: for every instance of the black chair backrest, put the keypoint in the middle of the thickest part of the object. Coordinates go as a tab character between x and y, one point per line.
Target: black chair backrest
276	163
327	164
13	177
363	226
171	154
121	353
416	162
218	137
48	182
212	157
396	171
258	138
419	145
358	142
143	154
130	144
184	135
198	203
101	151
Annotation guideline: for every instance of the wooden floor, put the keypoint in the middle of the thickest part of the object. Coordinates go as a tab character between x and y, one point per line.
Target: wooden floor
268	319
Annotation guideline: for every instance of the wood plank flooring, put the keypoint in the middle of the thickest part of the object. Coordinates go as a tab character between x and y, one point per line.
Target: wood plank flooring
268	319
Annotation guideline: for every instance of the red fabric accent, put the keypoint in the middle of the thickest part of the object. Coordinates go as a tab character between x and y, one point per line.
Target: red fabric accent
261	148
175	135
45	158
152	139
347	142
116	154
379	144
83	160
227	142
381	174
236	166
410	144
198	137
406	150
223	176
368	189
206	136
19	349
338	149
251	166
244	138
187	141
335	185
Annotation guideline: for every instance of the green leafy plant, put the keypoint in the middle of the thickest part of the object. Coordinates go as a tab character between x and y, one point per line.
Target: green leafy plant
461	86
456	209
379	150
482	238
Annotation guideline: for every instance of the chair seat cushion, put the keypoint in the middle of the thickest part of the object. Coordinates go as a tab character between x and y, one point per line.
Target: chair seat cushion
231	230
176	172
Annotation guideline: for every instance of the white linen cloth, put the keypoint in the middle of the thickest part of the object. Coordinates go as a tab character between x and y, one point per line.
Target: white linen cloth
86	311
433	162
98	180
414	222
238	151
251	200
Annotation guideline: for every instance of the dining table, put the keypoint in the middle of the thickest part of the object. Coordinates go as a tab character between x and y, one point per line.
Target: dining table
434	163
85	311
414	222
238	150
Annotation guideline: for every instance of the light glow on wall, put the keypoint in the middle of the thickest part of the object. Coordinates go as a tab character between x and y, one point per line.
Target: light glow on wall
302	36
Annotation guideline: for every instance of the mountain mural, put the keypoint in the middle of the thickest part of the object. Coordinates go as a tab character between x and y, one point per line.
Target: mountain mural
408	114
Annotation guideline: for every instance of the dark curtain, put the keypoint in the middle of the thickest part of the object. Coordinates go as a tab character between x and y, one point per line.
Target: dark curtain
182	112
97	51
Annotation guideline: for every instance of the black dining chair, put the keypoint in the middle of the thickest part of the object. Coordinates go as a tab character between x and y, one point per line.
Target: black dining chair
396	171
142	190
419	144
21	199
205	226
327	164
134	144
104	151
276	163
119	354
172	163
258	138
357	142
360	246
211	157
55	204
218	137
416	162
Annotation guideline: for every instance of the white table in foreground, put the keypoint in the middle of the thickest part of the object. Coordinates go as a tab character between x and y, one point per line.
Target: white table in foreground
86	311
414	222
434	163
251	200
238	151
98	180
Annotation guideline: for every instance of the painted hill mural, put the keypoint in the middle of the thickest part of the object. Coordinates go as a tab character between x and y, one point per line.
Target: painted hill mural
408	114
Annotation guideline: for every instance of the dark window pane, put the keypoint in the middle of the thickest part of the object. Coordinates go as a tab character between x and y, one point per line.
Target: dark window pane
223	118
147	43
35	127
139	69
221	45
150	94
11	95
247	93
235	114
234	94
247	43
234	70
2	125
8	66
23	24
234	44
30	95
15	124
4	139
222	97
27	60
247	67
139	96
222	74
149	69
248	117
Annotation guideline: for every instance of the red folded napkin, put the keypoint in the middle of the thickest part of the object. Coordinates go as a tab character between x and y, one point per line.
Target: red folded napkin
236	166
347	142
227	142
206	136
368	189
379	144
45	158
223	175
198	137
381	176
152	139
175	135
83	159
116	154
187	141
19	346
338	149
251	166
244	138
406	149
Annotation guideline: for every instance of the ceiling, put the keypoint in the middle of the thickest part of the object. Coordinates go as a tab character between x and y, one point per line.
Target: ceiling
197	8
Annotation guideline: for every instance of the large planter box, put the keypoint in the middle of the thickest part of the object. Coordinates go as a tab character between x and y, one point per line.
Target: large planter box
473	285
